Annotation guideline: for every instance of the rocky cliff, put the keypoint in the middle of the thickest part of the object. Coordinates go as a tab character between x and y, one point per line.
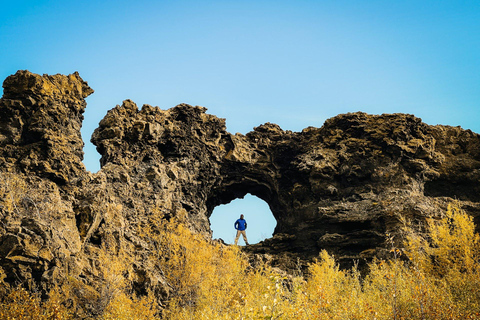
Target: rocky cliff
341	187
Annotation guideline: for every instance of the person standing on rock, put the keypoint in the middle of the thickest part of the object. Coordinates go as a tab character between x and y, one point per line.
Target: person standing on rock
241	226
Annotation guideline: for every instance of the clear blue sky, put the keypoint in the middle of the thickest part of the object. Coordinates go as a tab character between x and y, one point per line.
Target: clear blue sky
294	63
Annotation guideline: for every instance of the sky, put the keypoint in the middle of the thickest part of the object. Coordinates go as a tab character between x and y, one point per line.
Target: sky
293	63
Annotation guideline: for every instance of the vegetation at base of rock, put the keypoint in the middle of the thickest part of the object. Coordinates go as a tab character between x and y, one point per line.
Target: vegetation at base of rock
436	275
133	240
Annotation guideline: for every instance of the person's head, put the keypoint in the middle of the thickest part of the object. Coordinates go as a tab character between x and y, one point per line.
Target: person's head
241	216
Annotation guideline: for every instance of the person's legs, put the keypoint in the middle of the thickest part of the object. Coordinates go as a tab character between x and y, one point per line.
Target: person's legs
244	234
238	236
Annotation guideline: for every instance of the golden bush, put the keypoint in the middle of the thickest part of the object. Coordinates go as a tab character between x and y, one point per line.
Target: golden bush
435	275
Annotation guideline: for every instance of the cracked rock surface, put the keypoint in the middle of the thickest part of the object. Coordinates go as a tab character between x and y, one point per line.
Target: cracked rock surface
340	187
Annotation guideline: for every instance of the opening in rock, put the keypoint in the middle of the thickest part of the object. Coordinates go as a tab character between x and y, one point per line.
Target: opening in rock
260	220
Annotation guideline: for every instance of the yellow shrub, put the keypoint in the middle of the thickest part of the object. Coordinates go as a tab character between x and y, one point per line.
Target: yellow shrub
453	259
20	304
455	245
128	307
435	276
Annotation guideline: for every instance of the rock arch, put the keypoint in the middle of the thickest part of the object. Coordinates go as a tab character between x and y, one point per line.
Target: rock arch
261	221
340	187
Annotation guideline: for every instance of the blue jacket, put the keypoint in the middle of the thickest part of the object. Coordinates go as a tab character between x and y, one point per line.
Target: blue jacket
240	224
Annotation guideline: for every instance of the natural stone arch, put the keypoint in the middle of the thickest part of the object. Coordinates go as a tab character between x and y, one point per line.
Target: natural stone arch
340	187
332	188
237	190
261	222
237	186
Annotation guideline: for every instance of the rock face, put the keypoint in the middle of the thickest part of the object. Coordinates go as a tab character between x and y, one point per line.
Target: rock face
40	125
341	187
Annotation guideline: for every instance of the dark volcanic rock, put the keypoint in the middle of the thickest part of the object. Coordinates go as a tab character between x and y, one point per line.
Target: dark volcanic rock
341	187
40	122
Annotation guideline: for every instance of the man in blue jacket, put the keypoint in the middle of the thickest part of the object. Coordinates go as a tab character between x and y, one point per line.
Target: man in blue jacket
241	226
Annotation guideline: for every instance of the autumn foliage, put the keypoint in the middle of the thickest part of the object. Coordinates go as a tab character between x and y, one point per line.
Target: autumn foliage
435	275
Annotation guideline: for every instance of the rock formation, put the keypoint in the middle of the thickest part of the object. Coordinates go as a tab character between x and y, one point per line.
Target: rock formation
41	119
341	187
